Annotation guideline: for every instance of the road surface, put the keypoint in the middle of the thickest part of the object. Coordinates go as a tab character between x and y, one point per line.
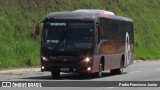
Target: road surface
139	71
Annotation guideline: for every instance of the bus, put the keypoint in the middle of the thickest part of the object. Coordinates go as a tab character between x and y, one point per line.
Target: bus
86	42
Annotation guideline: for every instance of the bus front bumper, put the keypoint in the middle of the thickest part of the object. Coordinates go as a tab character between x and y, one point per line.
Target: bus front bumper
81	67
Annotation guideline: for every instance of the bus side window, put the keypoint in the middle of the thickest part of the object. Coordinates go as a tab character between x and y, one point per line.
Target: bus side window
111	33
101	31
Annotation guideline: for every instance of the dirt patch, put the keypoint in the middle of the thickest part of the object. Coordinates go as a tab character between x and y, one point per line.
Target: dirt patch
19	71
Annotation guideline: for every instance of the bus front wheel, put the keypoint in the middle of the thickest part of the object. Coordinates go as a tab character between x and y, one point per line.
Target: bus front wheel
100	69
55	74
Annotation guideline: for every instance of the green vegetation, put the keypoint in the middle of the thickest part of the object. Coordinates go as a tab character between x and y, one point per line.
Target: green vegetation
18	17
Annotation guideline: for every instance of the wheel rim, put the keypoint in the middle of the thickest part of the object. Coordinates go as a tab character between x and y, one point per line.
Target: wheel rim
121	68
100	70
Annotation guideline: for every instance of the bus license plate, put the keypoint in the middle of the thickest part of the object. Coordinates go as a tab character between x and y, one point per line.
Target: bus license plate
64	69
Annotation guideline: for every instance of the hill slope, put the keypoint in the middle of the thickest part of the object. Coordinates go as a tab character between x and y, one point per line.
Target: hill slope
18	18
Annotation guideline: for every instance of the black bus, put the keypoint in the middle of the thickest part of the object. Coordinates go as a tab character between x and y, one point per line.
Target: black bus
86	41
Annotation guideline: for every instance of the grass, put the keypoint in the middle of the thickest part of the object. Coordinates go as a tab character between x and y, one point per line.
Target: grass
18	48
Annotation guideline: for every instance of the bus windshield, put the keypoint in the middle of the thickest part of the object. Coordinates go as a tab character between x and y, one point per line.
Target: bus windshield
71	36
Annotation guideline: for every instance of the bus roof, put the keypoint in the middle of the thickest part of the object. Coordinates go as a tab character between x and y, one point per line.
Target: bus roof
77	15
70	15
95	10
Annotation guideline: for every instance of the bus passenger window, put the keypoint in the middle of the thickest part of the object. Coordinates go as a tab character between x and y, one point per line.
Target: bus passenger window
101	31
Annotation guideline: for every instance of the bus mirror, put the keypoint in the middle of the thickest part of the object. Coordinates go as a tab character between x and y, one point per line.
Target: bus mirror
97	24
37	29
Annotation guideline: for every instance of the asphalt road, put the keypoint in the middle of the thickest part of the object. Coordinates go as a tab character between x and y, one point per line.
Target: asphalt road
139	71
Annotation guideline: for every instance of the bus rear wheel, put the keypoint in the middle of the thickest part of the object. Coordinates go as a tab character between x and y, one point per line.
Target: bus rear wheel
119	70
55	74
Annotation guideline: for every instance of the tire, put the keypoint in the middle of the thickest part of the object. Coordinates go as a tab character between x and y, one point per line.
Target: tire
119	70
99	73
55	74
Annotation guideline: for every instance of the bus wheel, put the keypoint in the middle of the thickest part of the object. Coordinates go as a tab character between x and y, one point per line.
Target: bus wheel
55	74
99	73
119	70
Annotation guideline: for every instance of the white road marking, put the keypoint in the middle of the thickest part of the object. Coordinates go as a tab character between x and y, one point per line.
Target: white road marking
111	87
135	71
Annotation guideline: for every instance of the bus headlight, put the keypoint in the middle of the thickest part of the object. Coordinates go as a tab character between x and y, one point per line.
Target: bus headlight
42	67
89	68
87	59
44	59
